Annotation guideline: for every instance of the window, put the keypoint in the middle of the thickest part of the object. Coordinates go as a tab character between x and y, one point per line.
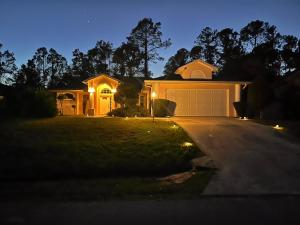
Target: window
105	91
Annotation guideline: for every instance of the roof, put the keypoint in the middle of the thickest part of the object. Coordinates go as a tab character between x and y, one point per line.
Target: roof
99	75
197	81
74	85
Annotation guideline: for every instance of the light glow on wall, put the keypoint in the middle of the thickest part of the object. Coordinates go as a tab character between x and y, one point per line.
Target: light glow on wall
91	90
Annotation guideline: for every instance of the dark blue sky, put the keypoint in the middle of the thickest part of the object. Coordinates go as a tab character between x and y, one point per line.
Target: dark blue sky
65	25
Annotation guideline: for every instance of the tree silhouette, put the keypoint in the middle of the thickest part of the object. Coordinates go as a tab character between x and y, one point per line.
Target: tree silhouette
126	59
99	57
179	59
207	41
147	36
7	66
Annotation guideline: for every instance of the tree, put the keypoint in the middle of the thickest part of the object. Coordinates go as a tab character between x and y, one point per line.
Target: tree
147	36
289	52
41	65
7	66
207	41
57	66
179	59
99	57
229	46
196	52
28	76
81	65
126	59
254	33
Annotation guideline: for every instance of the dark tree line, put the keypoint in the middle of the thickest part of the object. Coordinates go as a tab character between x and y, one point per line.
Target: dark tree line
48	68
258	49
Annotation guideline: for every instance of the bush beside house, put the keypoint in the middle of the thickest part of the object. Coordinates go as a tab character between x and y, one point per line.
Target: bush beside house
163	107
31	103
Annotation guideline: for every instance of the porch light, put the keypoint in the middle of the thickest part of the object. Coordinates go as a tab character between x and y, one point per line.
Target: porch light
153	94
91	90
113	90
277	127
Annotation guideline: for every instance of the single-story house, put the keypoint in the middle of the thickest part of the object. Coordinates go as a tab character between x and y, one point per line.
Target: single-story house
195	94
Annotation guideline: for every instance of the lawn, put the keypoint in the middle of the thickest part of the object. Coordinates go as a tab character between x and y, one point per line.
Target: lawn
106	157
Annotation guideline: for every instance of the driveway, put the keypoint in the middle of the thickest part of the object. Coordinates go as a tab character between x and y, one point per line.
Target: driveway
253	159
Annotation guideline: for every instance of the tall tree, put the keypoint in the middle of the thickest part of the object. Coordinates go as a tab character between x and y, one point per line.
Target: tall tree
7	66
57	66
179	59
288	52
207	40
99	57
253	34
41	65
196	52
80	65
147	36
29	76
229	46
126	59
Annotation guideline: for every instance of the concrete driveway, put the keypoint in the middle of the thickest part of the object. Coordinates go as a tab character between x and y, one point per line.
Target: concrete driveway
253	159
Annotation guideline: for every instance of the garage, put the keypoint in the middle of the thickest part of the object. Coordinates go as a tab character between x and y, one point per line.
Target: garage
200	102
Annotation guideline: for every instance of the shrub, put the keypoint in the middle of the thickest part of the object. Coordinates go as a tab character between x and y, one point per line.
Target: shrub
240	108
163	107
31	103
129	111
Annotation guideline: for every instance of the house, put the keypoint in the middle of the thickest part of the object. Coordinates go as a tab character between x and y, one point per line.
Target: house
196	94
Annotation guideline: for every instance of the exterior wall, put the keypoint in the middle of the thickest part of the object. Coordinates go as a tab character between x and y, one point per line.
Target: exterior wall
161	90
66	105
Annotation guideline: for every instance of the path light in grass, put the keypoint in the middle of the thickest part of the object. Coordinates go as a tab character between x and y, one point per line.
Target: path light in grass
277	127
126	118
148	131
187	144
174	126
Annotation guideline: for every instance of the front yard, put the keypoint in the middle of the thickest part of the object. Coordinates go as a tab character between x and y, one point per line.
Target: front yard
76	157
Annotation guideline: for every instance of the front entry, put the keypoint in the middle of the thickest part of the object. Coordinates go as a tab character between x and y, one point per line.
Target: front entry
104	105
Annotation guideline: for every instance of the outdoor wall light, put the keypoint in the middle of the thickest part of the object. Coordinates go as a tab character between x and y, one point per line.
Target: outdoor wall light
91	90
153	94
113	90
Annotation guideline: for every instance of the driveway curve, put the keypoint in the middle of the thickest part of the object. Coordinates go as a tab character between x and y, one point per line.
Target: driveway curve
253	159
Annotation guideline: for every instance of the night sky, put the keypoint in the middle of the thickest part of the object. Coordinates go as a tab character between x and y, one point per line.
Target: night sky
64	25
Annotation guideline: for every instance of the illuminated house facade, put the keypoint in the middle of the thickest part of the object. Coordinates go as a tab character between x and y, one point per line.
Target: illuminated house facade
195	94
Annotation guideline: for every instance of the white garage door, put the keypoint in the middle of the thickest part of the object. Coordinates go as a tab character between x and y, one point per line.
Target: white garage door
199	102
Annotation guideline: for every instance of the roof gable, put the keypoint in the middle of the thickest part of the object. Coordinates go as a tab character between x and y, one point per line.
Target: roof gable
196	69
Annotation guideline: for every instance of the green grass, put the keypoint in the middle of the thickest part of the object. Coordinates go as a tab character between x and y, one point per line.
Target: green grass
93	158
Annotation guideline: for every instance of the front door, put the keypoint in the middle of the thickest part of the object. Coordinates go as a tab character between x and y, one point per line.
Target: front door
104	105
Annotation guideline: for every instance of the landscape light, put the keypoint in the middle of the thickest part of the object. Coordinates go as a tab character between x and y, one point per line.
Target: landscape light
243	118
277	127
174	126
187	144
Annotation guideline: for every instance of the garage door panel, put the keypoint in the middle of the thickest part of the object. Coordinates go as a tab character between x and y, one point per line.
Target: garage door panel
199	102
